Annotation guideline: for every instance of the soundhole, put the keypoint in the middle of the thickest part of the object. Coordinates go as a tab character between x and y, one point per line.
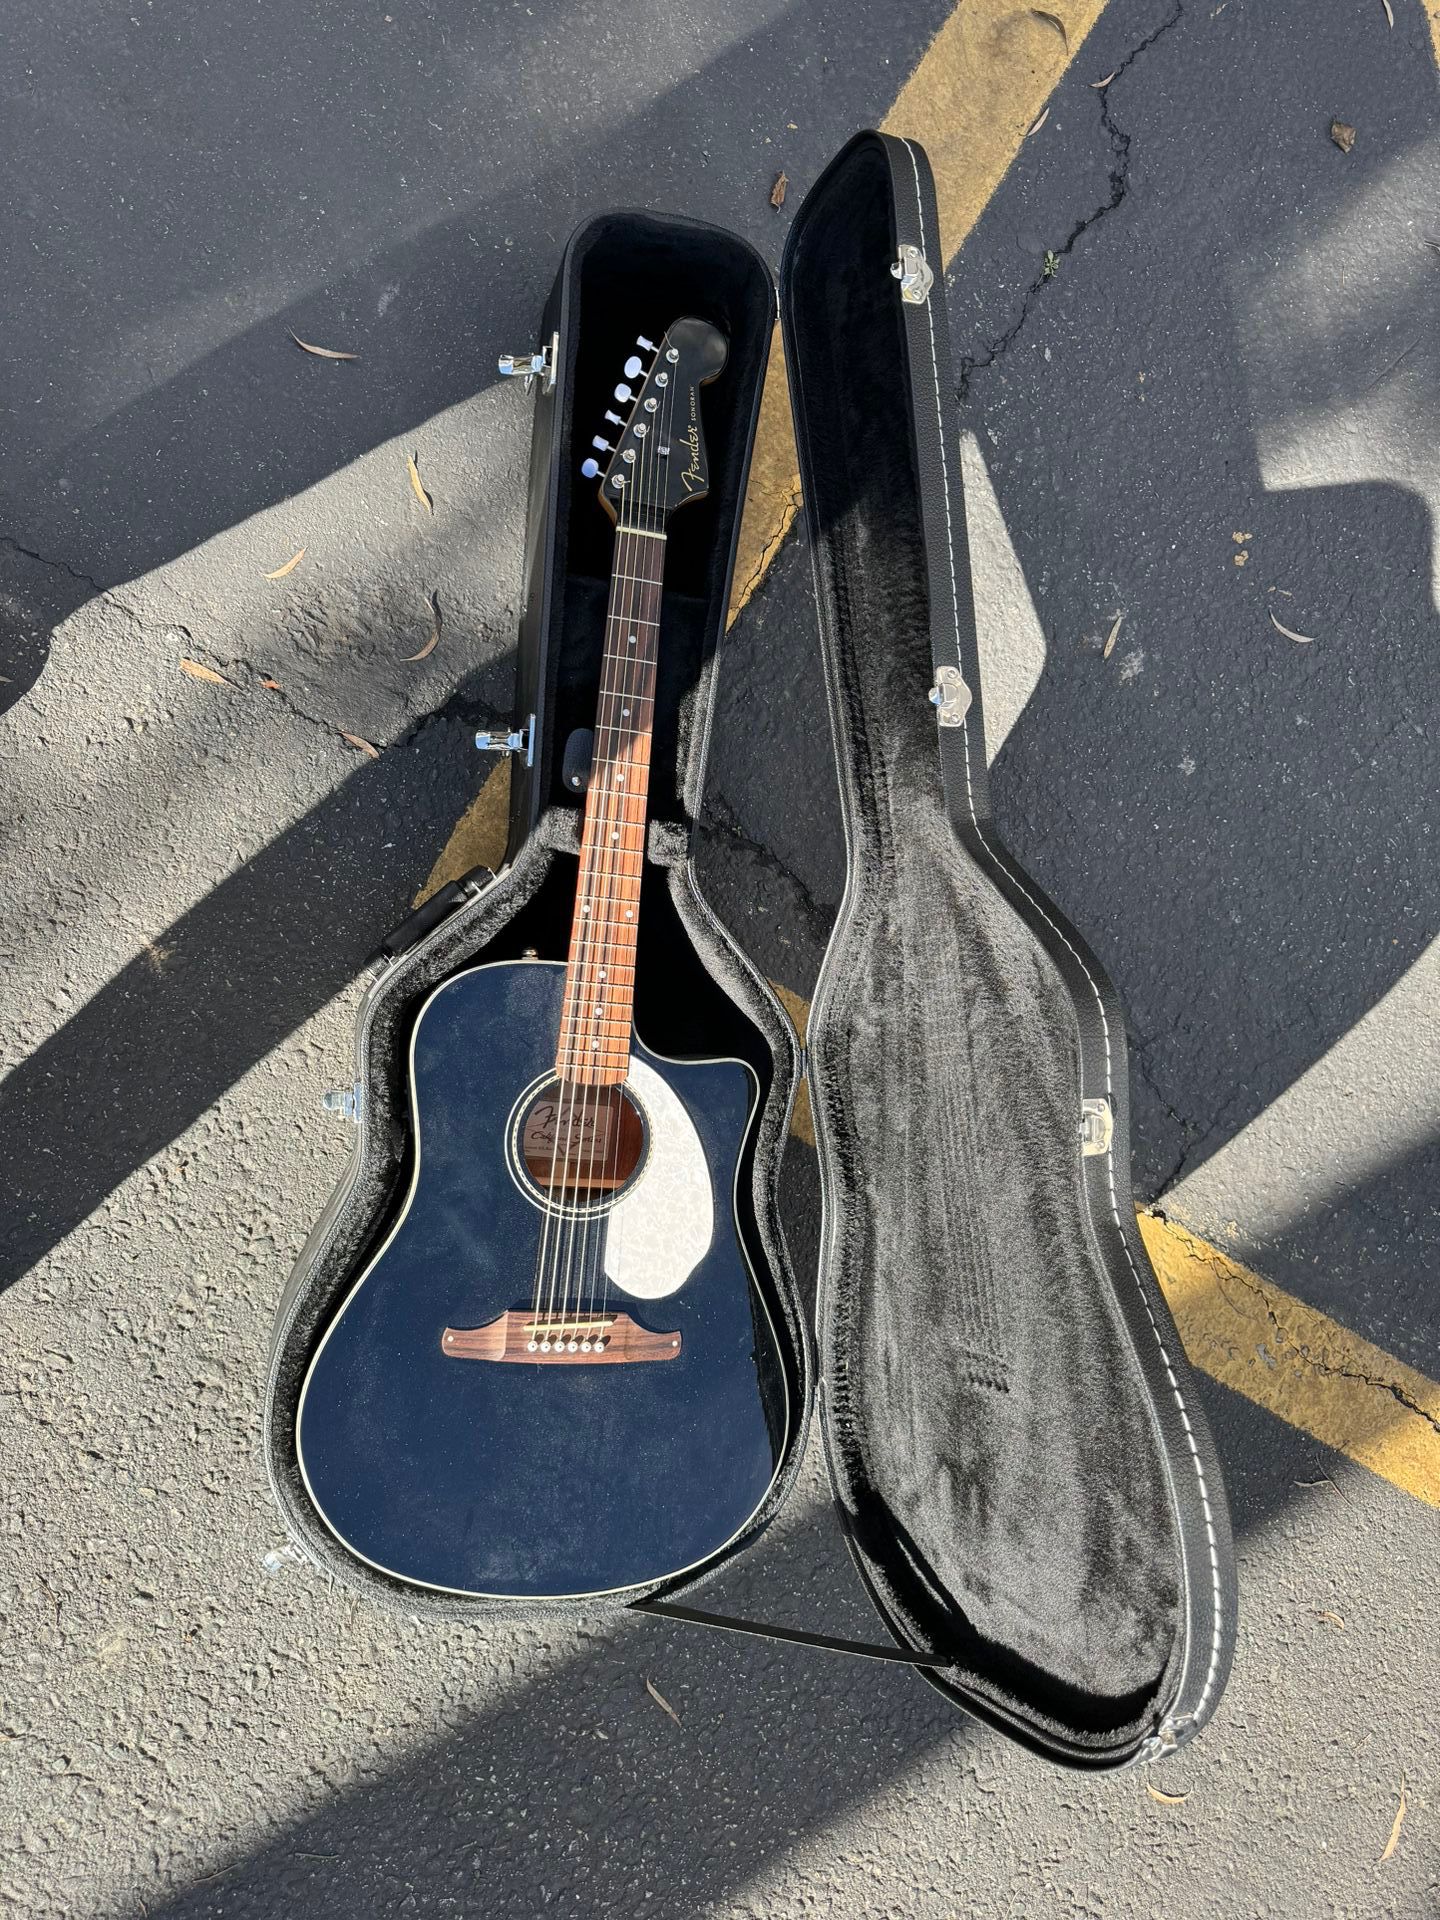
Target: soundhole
581	1144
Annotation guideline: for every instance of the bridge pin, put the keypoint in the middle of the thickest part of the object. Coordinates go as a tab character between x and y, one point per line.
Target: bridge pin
600	1345
585	1346
572	1346
544	1346
532	1346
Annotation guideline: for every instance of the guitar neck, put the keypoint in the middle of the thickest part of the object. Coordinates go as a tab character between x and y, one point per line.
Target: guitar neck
598	1014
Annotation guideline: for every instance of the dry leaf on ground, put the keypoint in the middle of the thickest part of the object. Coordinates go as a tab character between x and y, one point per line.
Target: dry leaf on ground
1166	1799
1100	85
197	672
1394	1840
658	1697
1330	1619
1343	136
1111	638
777	192
1052	20
320	353
418	485
273	686
1389	12
1035	125
434	640
1305	639
289	567
363	745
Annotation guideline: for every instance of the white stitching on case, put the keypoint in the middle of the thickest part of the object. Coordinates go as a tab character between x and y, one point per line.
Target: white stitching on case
1099	1002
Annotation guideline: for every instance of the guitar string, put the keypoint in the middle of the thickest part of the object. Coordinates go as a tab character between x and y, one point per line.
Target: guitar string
595	1280
624	697
554	1223
584	1098
647	669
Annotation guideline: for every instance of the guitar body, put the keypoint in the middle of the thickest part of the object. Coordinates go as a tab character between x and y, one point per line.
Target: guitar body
436	1441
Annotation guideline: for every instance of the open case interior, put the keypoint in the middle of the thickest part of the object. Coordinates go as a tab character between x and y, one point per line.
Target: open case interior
1019	1463
624	274
990	1421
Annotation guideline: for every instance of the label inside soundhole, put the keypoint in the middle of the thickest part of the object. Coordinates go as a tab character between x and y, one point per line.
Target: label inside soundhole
581	1143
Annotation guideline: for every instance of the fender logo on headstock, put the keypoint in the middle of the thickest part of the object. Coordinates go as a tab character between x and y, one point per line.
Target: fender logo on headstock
692	475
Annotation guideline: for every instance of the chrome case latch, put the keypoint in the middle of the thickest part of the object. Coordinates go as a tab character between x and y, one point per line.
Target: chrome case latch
344	1101
531	367
950	696
912	270
520	740
1097	1127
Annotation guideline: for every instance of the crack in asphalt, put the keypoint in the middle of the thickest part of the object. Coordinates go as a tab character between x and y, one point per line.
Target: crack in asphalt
71	573
461	705
724	822
971	364
1252	1284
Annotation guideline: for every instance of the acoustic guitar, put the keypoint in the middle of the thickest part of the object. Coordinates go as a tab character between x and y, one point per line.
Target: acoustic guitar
548	1380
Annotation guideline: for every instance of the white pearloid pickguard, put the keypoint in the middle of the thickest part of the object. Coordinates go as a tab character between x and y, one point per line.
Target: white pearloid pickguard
660	1231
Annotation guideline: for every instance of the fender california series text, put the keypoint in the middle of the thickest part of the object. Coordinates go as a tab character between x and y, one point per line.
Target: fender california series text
547	1382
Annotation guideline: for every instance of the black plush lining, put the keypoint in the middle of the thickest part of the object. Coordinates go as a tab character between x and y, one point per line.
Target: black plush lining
990	1432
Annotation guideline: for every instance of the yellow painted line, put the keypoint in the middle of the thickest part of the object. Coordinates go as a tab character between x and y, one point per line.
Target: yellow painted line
979	88
480	835
1298	1363
1432	14
802	1123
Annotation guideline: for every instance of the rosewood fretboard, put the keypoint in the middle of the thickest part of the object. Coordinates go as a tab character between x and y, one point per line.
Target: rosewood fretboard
595	1026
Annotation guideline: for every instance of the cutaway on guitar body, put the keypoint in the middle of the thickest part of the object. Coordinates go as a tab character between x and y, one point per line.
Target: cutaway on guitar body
554	1339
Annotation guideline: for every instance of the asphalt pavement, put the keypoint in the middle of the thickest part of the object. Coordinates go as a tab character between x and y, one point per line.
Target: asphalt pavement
1197	352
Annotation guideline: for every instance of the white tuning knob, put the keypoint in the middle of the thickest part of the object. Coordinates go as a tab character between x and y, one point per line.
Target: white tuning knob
645	346
590	468
601	445
633	366
614	418
623	393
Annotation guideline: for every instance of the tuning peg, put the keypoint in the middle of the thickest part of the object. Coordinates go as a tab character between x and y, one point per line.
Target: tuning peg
645	346
615	419
633	366
623	394
601	446
590	468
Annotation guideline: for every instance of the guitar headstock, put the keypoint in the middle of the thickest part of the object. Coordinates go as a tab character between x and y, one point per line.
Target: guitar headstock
657	458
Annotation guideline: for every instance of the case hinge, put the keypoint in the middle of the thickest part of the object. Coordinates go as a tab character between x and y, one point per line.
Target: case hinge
950	697
520	740
1097	1127
912	270
530	367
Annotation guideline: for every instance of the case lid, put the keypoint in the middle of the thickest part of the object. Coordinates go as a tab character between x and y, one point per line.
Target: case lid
1015	1444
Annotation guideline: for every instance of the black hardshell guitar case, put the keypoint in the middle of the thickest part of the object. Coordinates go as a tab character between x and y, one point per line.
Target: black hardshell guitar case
1019	1462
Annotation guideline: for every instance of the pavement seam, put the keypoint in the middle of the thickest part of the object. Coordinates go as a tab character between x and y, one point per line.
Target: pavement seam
1119	142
